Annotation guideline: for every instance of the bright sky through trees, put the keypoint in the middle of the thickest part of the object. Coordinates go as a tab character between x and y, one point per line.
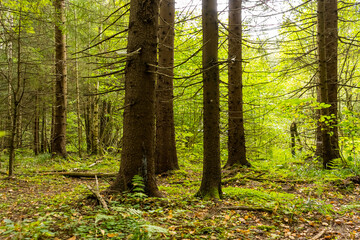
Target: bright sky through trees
260	17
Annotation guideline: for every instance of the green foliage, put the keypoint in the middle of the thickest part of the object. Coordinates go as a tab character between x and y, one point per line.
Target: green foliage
26	229
138	190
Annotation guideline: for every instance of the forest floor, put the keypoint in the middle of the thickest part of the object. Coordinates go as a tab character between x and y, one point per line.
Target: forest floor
272	200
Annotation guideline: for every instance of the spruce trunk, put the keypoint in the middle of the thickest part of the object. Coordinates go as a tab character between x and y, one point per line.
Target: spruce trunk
137	156
211	179
165	151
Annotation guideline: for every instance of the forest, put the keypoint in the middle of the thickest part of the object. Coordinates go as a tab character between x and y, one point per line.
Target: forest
187	119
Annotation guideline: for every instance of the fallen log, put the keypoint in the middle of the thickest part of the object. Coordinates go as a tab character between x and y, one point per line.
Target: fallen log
81	174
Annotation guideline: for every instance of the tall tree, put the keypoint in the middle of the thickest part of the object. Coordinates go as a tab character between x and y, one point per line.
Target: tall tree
137	156
59	133
328	83
211	179
165	150
236	131
17	89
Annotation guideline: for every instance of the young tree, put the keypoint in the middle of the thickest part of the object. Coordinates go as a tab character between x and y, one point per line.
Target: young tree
211	179
137	156
236	132
165	150
327	54
17	90
59	131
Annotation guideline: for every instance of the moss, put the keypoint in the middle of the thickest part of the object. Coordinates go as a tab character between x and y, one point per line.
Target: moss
208	194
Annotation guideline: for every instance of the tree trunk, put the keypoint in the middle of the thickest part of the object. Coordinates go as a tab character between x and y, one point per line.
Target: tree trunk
165	150
331	39
17	94
59	138
327	53
139	115
44	141
211	179
36	144
106	125
236	131
88	125
95	121
78	117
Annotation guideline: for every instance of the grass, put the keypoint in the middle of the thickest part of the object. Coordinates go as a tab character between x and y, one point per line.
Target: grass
303	201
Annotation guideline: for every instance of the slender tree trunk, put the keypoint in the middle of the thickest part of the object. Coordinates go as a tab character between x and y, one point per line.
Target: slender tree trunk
44	142
59	138
79	128
10	63
105	124
137	156
165	151
236	131
211	179
12	139
36	144
17	94
95	121
88	125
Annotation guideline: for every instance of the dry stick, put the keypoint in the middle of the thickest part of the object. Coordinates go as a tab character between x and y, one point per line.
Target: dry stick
99	197
317	236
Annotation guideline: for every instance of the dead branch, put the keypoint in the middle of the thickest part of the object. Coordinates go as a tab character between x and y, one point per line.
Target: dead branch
81	174
99	197
317	236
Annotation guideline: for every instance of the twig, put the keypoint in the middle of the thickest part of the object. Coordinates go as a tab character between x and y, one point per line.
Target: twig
317	236
99	197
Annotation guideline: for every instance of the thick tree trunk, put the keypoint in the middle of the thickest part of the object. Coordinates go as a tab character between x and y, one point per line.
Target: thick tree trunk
211	179
165	151
331	39
59	138
327	52
137	156
236	131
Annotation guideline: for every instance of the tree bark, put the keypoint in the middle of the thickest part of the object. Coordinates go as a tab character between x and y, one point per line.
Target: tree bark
165	150
59	137
106	124
44	140
36	146
236	131
137	156
78	113
327	53
17	94
95	121
211	179
331	39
